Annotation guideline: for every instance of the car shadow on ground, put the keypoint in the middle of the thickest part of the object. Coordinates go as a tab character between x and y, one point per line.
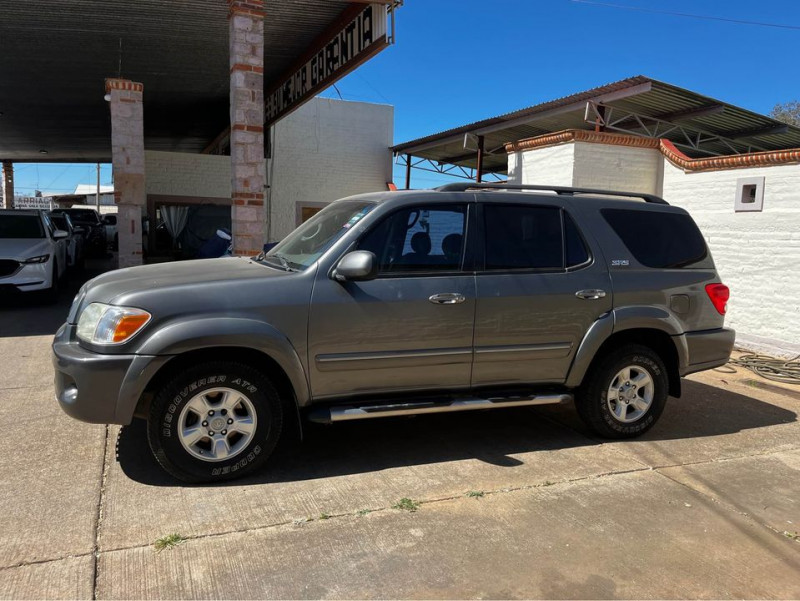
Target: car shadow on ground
31	314
491	436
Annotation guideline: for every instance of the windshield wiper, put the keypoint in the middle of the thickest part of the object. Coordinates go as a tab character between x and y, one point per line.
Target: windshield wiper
284	264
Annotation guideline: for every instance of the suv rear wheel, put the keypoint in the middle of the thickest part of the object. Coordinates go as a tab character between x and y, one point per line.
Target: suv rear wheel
214	422
624	393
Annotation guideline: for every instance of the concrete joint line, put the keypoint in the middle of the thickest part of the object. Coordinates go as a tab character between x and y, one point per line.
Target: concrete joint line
37	562
99	514
726	506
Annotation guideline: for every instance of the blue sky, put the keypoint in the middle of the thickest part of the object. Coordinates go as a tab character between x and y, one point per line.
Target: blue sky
461	61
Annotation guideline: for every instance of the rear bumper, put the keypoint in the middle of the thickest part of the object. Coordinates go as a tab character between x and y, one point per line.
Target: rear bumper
708	349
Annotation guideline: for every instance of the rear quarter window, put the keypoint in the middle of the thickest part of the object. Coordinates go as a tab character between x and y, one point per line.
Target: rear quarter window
658	239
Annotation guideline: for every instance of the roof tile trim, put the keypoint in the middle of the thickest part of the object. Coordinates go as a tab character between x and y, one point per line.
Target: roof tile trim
667	148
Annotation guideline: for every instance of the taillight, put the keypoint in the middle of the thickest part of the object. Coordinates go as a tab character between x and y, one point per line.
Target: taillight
719	295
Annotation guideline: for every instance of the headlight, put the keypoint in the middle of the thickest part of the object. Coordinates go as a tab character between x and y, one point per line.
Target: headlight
39	259
105	324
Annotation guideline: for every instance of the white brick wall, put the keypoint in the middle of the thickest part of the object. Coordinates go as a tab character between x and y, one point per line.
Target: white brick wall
620	168
757	254
325	150
182	174
550	166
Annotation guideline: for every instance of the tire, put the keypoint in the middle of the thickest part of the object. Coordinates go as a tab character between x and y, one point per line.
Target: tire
190	401
611	416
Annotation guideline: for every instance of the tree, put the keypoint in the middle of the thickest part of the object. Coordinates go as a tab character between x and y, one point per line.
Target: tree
788	112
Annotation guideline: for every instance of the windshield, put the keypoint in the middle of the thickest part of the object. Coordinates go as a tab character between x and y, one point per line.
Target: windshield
84	215
307	243
21	226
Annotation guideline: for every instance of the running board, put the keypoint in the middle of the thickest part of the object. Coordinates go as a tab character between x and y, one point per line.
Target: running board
329	415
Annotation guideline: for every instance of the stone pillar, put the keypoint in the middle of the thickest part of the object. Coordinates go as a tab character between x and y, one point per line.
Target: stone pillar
7	202
246	39
127	162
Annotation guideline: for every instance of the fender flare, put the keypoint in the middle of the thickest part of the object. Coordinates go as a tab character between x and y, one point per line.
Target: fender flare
197	333
619	320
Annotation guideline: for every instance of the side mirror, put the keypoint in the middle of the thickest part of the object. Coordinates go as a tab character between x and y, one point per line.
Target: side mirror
60	235
357	266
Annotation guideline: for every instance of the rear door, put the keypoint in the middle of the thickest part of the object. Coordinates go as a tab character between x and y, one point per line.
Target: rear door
541	283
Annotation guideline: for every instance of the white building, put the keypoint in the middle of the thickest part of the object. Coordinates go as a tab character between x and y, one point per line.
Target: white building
736	172
325	150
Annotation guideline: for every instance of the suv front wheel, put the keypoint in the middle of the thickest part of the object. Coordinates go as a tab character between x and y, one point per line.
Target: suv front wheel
215	421
624	393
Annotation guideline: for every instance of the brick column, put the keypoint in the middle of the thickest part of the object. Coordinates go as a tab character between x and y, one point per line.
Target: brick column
7	201
127	162
246	39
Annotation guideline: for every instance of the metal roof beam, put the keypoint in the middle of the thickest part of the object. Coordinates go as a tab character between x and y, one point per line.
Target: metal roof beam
757	131
693	113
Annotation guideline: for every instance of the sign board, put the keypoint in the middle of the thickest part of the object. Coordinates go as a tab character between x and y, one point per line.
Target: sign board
336	55
33	202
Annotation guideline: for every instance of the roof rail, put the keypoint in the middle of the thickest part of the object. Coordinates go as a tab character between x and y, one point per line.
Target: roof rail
561	190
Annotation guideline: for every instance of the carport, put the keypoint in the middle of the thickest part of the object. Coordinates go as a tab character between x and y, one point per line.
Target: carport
101	80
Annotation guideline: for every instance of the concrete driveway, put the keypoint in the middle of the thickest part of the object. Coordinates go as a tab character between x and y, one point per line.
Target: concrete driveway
512	503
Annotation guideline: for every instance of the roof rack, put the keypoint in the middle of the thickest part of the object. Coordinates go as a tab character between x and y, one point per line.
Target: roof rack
560	190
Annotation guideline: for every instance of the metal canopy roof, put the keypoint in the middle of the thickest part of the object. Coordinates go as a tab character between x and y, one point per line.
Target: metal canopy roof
698	125
56	56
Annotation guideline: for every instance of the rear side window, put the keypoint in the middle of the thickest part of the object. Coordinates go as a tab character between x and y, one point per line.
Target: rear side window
530	237
657	239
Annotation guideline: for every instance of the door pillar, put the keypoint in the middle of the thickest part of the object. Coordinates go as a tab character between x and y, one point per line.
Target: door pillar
248	166
127	162
8	186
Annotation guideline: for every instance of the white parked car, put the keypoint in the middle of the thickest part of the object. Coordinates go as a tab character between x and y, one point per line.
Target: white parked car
75	242
33	253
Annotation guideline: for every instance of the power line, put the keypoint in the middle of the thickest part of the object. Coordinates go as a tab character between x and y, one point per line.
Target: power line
689	15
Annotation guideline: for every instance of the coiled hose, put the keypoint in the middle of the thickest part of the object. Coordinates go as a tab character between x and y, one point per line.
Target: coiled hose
786	371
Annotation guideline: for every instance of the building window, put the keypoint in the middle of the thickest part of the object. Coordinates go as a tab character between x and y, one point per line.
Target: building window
306	210
749	194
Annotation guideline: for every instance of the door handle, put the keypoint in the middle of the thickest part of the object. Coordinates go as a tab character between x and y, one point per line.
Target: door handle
591	294
447	298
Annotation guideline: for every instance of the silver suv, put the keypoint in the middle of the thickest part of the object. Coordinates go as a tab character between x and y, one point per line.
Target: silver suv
461	298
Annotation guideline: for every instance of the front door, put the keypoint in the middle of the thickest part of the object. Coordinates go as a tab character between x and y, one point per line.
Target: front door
411	327
529	320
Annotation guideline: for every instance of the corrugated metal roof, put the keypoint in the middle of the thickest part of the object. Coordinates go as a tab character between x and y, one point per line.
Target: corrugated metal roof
56	56
640	94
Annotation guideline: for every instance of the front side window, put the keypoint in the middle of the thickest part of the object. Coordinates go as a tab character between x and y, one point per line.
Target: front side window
307	243
419	239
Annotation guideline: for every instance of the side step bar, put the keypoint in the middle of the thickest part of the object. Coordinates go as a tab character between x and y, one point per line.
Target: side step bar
329	415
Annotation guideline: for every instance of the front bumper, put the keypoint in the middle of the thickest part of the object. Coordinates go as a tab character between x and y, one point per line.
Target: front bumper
708	349
99	388
30	277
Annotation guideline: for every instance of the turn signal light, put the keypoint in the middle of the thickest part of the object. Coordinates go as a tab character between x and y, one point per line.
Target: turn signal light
128	325
719	295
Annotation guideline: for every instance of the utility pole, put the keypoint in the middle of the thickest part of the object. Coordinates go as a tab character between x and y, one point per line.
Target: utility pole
97	196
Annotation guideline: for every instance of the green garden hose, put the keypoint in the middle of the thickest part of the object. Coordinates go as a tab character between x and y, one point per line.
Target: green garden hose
786	371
